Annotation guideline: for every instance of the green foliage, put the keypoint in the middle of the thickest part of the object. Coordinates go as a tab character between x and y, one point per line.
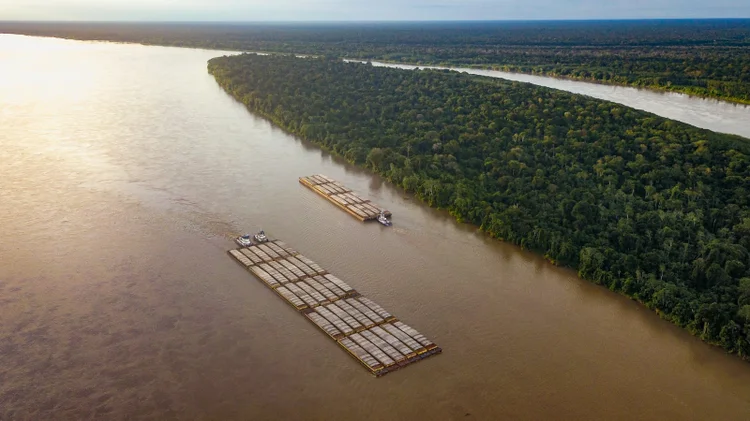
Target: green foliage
655	209
701	57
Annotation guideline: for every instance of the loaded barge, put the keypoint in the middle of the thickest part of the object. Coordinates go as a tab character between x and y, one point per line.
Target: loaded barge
364	329
344	198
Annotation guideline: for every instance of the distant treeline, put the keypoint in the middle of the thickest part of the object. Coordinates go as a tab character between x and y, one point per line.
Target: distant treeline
702	57
649	207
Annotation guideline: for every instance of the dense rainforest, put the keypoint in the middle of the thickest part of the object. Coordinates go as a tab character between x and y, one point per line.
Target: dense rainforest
701	57
652	208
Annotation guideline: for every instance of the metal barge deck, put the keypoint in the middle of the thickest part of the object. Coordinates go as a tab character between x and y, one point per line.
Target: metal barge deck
343	197
364	329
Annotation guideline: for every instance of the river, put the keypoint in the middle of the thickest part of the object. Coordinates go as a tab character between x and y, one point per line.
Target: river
126	170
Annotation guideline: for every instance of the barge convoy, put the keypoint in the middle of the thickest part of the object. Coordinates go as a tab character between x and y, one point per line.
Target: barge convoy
377	339
344	198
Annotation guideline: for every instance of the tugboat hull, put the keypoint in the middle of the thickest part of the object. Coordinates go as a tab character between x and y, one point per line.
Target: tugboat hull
385	221
243	242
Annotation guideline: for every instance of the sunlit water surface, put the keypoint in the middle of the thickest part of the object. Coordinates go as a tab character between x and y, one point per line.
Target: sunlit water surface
126	170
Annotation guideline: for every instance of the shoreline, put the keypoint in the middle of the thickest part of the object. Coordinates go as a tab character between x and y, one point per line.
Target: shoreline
455	67
662	315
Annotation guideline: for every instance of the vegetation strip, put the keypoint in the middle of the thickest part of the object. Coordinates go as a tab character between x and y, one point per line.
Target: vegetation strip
649	207
707	58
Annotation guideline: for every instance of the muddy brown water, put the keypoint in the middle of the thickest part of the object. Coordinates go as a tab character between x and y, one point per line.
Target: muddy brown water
125	172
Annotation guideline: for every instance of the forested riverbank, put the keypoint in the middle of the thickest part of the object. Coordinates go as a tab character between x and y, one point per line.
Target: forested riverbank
651	208
708	58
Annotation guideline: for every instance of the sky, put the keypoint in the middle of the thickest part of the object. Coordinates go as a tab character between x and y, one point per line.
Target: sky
368	10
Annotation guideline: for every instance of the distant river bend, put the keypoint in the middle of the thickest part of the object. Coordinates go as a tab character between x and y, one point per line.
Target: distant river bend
711	114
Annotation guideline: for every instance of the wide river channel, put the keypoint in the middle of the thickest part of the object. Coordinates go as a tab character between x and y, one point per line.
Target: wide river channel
126	170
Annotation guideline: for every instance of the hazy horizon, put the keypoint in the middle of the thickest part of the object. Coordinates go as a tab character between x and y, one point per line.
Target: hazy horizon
281	11
366	21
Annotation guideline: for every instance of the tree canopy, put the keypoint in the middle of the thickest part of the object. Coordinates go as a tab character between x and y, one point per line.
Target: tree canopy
701	57
649	207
